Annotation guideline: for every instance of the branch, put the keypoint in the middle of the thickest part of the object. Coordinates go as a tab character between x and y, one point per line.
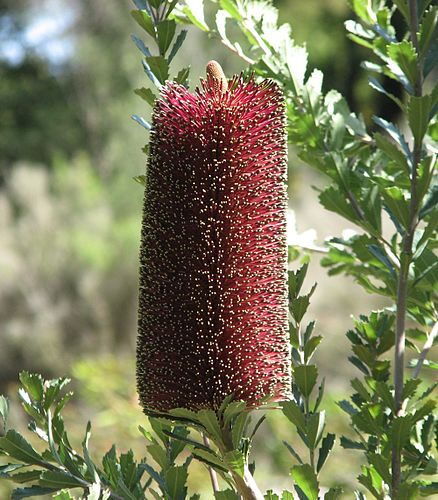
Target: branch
211	471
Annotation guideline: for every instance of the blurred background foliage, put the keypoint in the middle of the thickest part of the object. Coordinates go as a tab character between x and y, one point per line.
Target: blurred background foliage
70	211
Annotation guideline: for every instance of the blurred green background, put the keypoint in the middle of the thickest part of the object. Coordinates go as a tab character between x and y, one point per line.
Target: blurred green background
70	211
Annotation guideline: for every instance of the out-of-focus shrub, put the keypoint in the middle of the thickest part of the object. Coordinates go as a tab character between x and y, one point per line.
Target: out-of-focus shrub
68	265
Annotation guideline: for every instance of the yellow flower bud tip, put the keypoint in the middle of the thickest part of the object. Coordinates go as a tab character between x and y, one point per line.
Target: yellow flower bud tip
216	77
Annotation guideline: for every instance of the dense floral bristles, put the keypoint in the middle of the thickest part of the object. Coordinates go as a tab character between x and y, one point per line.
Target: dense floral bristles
213	298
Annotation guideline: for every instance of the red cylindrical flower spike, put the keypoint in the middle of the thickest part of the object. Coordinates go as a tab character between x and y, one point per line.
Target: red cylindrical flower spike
213	296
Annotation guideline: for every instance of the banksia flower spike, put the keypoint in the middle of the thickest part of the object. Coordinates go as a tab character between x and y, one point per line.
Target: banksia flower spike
213	298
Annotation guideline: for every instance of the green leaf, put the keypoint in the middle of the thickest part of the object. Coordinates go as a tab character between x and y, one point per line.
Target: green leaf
32	491
349	444
158	453
141	179
33	383
183	75
360	7
325	449
147	95
177	45
4	410
159	67
298	306
194	10
305	377
293	452
232	9
226	495
59	480
395	200
287	495
335	201
296	280
310	347
314	429
333	494
165	33
6	469
395	133
235	461
210	458
419	114
400	431
17	447
270	495
209	420
63	495
402	6
381	465
239	428
306	480
26	477
391	150
295	415
141	46
143	19
403	53
427	29
176	478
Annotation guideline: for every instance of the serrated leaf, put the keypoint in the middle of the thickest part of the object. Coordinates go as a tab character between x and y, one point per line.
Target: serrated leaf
226	495
314	428
159	67
293	452
176	478
17	447
210	458
33	383
287	495
147	95
349	444
305	378
295	415
400	431
177	45
335	201
235	461
310	347
6	469
403	53
32	491
165	33
141	46
26	477
183	75
63	495
306	480
208	419
144	20
325	449
333	494
428	27
270	495
419	115
59	480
